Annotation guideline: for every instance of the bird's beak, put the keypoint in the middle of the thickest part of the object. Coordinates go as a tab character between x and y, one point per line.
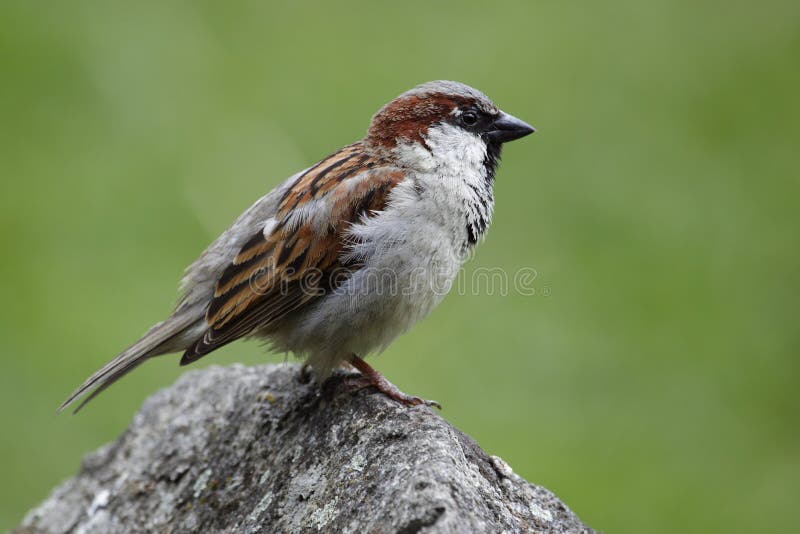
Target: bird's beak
507	128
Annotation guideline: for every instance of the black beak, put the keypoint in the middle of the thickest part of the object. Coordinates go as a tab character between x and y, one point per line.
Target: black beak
507	128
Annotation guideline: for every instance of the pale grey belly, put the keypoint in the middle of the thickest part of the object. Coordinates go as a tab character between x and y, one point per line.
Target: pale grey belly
375	305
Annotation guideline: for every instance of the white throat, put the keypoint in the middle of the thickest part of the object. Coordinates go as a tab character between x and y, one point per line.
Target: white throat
451	168
448	149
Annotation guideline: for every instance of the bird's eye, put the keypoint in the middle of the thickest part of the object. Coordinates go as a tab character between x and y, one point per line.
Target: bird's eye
469	118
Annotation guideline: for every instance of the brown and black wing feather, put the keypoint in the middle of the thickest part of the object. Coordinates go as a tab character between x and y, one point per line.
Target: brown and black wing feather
285	270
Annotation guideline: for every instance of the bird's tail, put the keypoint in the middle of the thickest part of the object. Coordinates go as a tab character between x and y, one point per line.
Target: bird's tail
164	337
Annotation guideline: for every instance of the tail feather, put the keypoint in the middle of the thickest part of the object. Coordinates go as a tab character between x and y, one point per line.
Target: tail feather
107	381
158	340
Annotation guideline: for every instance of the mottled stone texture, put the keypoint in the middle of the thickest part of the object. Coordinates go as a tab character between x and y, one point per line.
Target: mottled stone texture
251	449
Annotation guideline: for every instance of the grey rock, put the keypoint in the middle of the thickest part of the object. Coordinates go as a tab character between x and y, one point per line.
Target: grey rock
251	449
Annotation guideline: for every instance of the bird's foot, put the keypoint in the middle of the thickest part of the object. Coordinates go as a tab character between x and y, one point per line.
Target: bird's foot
369	377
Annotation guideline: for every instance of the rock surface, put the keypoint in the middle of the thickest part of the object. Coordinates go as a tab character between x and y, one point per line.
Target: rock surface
251	449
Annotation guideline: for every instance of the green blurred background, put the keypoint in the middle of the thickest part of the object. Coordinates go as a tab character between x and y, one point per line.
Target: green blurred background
651	382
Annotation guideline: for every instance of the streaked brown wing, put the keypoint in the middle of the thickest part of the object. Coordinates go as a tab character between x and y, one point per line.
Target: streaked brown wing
275	274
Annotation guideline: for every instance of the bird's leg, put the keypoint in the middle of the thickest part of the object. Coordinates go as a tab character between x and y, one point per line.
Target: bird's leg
372	378
305	374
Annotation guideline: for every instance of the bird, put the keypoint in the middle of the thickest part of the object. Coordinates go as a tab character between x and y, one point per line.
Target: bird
346	255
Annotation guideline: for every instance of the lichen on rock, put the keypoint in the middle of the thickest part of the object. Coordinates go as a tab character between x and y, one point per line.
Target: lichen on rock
251	449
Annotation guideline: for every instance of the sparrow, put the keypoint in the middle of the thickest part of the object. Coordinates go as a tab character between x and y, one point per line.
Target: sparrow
344	256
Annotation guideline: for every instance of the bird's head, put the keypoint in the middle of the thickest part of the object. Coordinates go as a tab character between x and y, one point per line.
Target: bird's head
442	120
